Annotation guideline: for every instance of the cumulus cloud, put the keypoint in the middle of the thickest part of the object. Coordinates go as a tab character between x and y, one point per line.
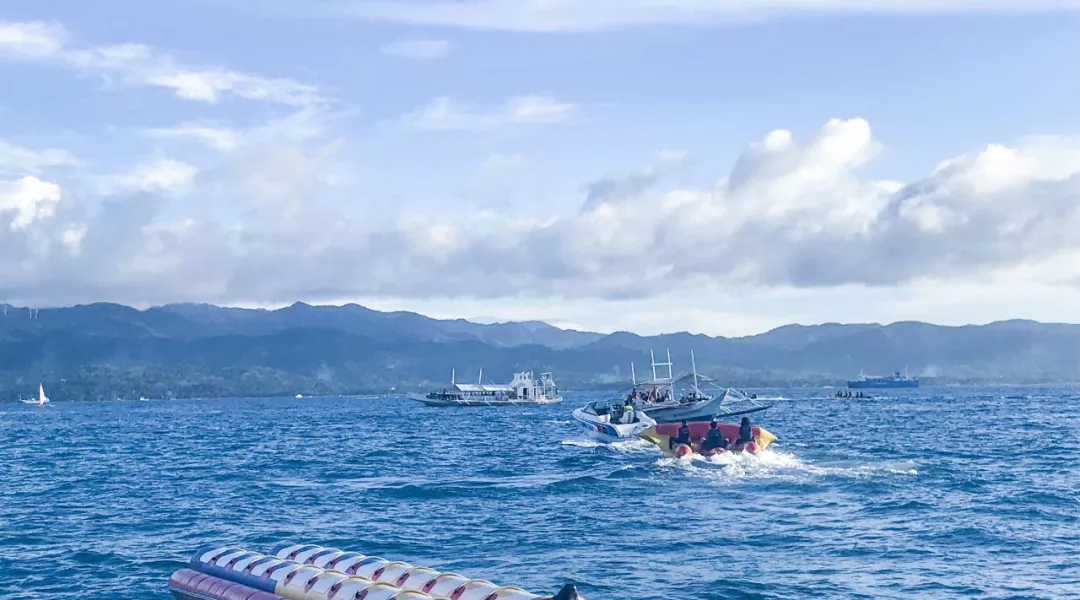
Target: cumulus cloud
562	15
138	64
416	49
788	214
444	115
27	200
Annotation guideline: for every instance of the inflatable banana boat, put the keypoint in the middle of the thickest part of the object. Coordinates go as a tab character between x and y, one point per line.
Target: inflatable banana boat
309	572
664	433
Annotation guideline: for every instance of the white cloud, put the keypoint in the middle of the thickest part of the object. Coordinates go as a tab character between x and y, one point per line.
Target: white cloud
24	160
137	64
561	15
444	115
219	138
416	49
790	215
305	124
27	200
159	175
31	40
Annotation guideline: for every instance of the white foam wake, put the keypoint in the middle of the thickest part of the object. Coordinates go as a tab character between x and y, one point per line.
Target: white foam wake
631	445
778	464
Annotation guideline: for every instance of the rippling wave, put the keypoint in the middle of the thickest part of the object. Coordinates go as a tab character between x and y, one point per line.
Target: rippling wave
933	493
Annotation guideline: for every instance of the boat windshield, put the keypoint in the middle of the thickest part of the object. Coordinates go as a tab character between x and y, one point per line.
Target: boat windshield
597	407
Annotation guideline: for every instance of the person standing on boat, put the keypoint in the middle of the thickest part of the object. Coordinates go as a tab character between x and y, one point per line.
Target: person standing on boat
628	412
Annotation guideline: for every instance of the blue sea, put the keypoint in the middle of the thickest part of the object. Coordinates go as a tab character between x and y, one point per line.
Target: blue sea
930	493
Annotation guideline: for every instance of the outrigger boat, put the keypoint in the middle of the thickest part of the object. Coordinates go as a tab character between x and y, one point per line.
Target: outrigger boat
523	389
609	423
660	401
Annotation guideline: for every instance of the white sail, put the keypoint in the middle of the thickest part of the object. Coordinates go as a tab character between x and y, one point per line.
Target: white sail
42	398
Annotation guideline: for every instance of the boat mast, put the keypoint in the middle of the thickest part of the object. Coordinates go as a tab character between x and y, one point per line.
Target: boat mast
453	376
670	377
480	379
633	376
693	368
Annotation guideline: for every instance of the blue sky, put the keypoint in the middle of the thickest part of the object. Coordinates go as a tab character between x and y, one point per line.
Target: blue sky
652	166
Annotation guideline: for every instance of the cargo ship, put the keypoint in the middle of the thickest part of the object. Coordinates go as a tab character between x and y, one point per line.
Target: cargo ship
896	380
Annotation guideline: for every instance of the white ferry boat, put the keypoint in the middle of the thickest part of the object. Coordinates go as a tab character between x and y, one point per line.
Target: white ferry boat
523	389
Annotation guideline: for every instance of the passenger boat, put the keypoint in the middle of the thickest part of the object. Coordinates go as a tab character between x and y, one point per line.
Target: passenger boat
523	389
609	423
660	399
896	380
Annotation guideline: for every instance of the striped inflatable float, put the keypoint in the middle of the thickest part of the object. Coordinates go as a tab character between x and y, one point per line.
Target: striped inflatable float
310	572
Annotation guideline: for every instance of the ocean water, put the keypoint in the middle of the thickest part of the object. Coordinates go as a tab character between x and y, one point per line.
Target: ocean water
934	493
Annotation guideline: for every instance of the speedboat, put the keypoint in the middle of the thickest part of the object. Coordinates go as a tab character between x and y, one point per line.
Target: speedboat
610	423
523	389
663	435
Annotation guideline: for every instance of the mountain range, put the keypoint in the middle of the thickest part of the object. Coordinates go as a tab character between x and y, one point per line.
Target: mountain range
108	350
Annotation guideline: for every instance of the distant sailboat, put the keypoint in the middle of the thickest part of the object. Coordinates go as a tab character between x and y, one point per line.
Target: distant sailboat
41	400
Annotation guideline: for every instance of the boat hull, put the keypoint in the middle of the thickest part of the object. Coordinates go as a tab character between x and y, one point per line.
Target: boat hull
470	402
692	411
662	433
610	432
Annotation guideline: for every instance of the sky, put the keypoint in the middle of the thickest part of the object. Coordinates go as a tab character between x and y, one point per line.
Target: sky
719	167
